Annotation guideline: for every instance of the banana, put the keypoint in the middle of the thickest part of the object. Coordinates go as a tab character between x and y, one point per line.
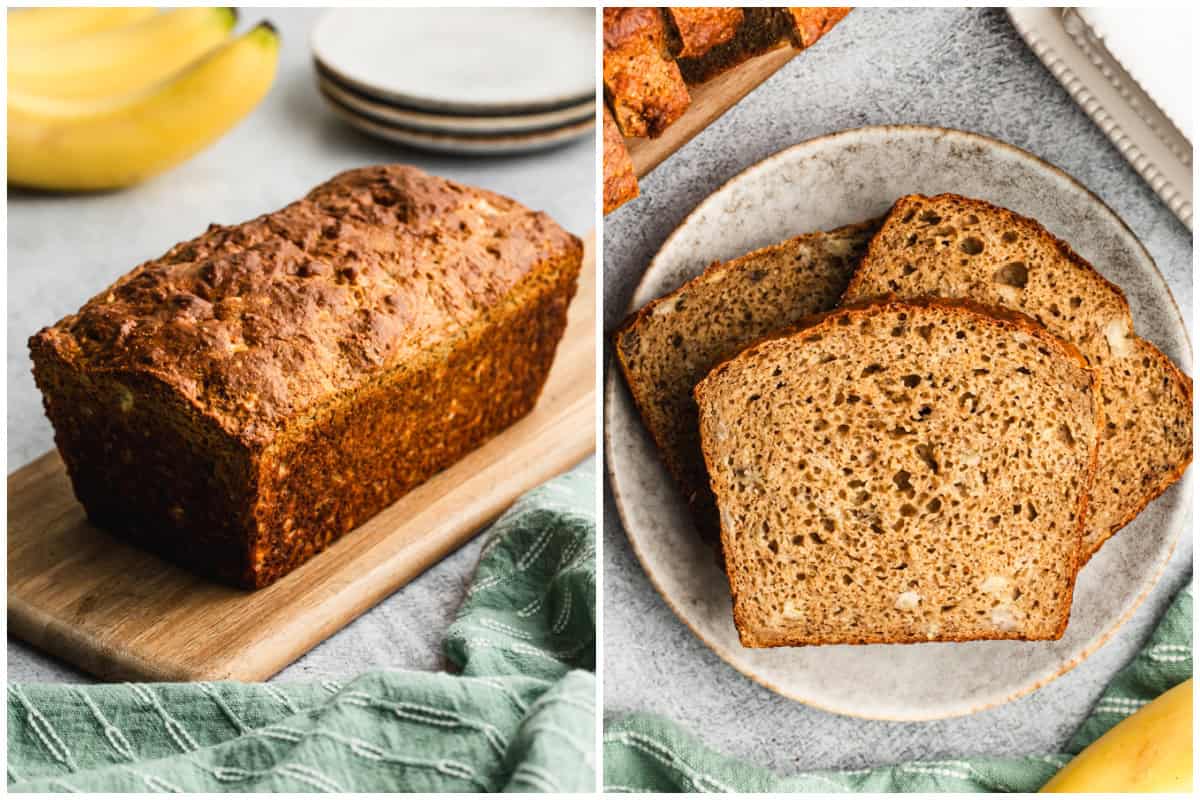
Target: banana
92	145
38	26
121	60
1150	751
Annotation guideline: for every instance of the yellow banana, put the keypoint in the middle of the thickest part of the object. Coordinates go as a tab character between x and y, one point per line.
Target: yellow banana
122	60
35	26
77	145
1150	751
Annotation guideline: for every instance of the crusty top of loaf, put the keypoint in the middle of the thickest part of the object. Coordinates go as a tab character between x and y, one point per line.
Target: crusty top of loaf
254	323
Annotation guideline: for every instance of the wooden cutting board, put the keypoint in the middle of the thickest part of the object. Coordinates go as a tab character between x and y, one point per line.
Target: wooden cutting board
122	614
709	101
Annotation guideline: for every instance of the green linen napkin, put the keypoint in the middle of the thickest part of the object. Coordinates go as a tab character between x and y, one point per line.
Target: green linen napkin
649	754
520	715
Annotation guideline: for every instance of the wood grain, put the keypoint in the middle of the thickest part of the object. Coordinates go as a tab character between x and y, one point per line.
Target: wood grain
709	101
122	614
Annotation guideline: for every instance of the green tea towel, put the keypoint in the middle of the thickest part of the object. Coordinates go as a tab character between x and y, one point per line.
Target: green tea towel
649	754
520	716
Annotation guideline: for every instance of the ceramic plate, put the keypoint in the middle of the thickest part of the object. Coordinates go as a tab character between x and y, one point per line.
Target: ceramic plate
821	184
468	144
463	60
454	123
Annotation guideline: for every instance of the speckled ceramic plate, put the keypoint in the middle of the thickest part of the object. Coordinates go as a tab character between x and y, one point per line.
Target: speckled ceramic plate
820	184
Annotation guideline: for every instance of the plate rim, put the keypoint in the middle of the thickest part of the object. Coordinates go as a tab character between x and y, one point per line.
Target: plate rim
480	145
457	125
432	104
613	388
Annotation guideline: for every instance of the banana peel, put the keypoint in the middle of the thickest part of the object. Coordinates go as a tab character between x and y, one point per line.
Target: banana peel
121	60
1149	751
71	145
39	26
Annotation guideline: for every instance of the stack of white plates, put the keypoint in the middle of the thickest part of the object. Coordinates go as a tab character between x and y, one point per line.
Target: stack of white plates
462	80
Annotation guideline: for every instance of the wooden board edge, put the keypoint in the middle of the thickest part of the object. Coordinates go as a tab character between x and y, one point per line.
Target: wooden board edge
710	101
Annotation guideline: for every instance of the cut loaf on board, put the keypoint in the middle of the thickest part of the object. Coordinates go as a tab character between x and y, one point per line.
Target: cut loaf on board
665	348
901	472
952	246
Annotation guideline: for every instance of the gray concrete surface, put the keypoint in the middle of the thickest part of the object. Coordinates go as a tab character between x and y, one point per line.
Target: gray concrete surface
951	67
63	249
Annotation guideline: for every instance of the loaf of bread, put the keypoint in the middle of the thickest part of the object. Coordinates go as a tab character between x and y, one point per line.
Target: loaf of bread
641	81
693	31
262	389
953	246
670	344
762	30
620	182
902	472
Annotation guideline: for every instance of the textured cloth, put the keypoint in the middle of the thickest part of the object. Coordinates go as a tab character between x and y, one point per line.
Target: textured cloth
650	754
520	716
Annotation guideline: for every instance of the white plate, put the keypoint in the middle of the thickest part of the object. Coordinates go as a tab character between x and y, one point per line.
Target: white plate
821	184
472	144
470	60
1159	152
455	123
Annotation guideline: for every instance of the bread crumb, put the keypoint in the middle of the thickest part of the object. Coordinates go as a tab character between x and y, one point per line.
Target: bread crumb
908	601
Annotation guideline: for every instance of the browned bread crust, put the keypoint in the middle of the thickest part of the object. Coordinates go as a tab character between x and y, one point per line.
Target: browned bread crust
641	82
810	24
693	31
762	30
266	387
620	184
750	629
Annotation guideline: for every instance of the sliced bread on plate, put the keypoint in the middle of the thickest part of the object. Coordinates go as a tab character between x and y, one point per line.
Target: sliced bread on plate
905	471
954	246
665	348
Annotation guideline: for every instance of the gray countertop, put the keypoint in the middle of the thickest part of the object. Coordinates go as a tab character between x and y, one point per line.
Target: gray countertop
958	68
62	249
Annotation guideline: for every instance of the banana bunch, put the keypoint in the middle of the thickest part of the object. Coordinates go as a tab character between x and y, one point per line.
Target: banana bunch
1150	751
102	98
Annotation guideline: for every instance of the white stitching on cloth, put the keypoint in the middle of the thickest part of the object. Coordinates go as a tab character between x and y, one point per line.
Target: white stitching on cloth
183	740
44	731
115	737
668	758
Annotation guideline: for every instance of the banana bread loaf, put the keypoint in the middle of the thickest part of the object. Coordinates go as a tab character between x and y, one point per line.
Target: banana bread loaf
262	389
641	82
693	31
761	31
620	182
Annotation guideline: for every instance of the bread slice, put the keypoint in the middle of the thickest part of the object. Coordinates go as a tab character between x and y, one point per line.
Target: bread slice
954	246
693	31
642	83
761	30
901	472
620	183
670	344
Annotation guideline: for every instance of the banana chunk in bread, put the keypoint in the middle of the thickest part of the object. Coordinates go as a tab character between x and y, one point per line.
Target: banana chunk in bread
952	246
260	390
901	472
666	347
